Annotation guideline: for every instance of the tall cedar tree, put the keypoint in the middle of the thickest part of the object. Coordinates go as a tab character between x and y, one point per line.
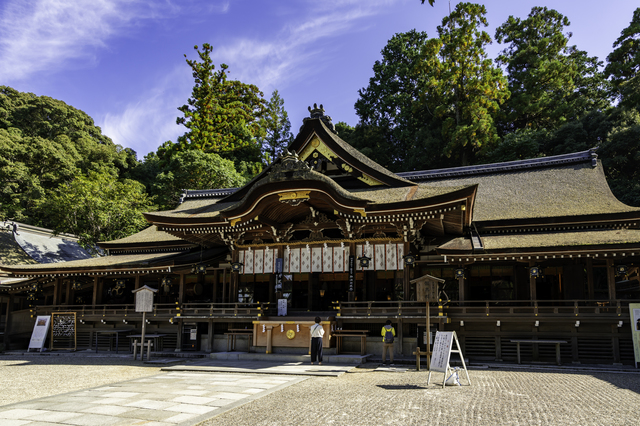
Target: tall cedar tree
222	115
397	130
623	66
550	82
278	128
464	86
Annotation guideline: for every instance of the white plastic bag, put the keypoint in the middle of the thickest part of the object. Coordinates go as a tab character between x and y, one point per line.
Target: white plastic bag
453	379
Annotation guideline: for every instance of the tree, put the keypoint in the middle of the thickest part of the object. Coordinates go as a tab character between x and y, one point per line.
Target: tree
278	128
463	86
623	66
620	154
193	169
550	82
45	143
392	122
221	115
97	207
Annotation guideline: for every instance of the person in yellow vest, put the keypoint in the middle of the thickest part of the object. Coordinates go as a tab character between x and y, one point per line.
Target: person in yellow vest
388	336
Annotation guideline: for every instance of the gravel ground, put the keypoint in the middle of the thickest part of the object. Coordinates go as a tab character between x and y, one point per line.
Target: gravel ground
27	377
495	397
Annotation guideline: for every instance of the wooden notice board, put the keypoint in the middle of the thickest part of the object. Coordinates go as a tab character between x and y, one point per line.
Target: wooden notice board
63	331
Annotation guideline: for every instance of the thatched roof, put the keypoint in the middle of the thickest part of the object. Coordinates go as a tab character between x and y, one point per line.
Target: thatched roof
546	189
540	240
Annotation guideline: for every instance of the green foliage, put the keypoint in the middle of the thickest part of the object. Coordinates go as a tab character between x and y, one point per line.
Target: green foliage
463	86
550	82
624	64
193	170
620	155
278	128
222	115
392	124
45	144
518	145
97	207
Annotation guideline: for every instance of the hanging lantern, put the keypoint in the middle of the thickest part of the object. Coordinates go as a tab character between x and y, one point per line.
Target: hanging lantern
409	259
621	269
364	261
200	268
236	266
535	271
166	284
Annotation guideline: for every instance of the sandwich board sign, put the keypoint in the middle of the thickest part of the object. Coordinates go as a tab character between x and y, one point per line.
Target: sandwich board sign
39	334
441	354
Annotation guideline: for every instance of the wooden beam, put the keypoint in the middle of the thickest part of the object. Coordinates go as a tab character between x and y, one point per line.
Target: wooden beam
611	279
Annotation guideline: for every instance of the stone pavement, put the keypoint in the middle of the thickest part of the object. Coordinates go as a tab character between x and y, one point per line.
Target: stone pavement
212	392
183	395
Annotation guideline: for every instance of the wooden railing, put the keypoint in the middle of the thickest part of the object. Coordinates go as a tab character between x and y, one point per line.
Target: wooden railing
224	309
163	310
488	308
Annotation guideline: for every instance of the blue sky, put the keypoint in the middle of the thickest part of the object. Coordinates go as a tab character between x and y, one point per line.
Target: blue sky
122	62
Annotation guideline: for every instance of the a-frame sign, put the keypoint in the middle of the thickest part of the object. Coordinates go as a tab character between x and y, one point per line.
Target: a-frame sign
442	350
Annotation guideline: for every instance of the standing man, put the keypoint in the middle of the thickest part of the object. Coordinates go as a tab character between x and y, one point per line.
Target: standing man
388	336
317	331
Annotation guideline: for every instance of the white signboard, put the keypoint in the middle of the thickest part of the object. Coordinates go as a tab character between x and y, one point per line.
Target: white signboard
39	334
441	351
282	307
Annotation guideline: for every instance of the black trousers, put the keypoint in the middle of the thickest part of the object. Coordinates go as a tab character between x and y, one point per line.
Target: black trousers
316	349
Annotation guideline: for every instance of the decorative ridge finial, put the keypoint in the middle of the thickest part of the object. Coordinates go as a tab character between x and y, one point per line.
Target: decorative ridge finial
315	113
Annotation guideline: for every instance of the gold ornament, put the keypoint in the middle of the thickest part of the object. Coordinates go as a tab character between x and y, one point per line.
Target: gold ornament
291	334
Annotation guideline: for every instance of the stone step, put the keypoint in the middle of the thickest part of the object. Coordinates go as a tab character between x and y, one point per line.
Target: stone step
330	359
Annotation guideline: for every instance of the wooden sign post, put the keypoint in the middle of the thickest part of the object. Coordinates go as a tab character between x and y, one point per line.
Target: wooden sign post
427	291
39	335
442	353
144	304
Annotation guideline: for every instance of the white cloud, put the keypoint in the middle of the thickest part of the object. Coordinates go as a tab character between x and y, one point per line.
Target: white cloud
289	55
46	35
148	122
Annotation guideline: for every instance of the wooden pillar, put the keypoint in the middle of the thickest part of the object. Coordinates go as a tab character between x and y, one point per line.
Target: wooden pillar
269	333
313	278
216	275
94	298
179	336
8	322
181	289
532	285
399	351
406	274
56	291
611	280
590	290
210	333
100	290
224	286
137	284
461	295
233	293
272	291
67	296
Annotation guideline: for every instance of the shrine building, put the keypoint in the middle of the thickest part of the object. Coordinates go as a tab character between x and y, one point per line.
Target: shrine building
531	249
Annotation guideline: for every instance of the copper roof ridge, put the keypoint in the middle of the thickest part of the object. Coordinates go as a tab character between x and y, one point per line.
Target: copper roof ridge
555	160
